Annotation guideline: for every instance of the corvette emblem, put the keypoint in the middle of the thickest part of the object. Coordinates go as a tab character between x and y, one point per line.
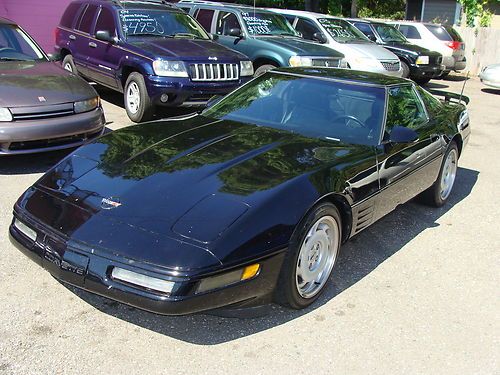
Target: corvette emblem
110	203
214	58
42	99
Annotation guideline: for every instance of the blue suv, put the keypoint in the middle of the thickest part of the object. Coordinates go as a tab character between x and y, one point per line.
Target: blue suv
151	51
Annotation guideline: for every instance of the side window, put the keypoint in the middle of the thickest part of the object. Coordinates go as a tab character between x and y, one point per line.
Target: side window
106	22
306	28
186	9
410	32
87	19
290	19
204	17
366	29
225	22
431	103
404	108
69	15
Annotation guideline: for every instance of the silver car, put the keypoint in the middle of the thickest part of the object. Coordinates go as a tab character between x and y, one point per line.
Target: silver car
490	75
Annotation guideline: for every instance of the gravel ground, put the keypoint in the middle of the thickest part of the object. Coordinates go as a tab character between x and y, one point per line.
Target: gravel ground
416	293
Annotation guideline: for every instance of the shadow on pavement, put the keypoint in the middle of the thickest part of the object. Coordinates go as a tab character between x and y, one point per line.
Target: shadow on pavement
491	91
434	85
360	256
455	78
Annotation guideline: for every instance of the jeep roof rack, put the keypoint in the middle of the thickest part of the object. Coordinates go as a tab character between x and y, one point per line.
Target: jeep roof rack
221	3
159	2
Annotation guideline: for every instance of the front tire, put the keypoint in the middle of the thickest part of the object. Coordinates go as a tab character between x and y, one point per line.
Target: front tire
438	194
137	101
406	69
422	81
312	253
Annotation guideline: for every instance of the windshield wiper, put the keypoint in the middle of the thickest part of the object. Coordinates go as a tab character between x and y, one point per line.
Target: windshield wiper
186	35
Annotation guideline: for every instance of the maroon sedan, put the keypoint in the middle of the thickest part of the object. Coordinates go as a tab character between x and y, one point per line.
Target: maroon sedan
42	106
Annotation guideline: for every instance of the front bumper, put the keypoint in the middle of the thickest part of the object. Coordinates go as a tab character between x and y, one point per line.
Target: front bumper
184	92
22	137
91	272
491	79
426	71
451	63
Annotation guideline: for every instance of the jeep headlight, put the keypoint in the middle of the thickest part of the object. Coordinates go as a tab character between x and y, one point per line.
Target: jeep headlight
296	61
246	68
86	105
344	64
5	115
423	60
167	68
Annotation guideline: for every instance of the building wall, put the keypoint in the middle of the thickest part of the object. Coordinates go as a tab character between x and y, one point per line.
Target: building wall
39	18
444	11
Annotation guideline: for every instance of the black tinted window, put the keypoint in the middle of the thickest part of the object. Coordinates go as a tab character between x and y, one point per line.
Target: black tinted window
453	33
306	28
106	22
226	22
87	19
343	112
410	32
365	29
70	14
204	17
439	32
404	108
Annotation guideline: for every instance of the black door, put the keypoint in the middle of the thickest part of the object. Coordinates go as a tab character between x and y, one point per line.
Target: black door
407	169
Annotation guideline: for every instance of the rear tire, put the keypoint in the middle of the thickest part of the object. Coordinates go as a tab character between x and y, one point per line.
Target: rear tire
263	68
137	101
406	69
69	65
438	194
311	256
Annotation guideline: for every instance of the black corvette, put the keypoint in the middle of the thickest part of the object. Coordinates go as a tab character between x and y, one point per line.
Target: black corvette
248	201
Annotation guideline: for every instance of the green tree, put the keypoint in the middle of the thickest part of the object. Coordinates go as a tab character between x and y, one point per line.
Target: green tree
474	9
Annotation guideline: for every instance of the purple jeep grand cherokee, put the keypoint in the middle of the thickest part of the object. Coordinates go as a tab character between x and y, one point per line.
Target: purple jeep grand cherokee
151	51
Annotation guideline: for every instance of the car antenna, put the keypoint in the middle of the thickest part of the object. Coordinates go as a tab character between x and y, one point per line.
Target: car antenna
463	87
254	1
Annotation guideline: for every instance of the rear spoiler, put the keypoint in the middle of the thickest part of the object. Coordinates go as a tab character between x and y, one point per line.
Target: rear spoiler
451	97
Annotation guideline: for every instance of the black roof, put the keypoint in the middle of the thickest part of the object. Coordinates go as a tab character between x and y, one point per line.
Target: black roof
354	76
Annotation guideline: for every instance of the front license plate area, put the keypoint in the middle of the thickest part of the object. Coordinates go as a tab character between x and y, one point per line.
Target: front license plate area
66	265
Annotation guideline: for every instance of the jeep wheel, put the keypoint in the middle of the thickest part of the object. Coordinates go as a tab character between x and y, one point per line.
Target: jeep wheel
68	64
137	102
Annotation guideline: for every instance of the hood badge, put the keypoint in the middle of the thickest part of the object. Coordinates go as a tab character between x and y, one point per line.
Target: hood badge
214	58
110	203
42	99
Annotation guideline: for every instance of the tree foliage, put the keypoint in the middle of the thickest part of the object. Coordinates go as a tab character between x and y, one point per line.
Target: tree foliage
475	9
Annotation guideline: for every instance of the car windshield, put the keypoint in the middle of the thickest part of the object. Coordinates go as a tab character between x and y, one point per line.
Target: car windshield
263	23
390	33
343	112
16	45
160	23
342	31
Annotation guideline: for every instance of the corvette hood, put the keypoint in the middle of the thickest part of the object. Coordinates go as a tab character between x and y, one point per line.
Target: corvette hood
187	49
26	83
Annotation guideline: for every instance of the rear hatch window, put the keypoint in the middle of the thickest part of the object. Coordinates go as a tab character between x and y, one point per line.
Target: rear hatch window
453	33
439	32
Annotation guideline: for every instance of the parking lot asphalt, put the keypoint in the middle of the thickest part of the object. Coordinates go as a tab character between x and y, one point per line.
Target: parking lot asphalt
416	293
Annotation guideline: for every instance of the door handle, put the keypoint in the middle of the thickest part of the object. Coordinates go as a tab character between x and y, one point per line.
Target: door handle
93	45
72	37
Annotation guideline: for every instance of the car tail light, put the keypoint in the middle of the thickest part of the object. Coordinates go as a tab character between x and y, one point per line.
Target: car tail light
56	33
454	45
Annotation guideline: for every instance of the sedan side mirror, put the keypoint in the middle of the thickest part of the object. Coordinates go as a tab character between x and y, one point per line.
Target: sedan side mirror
236	32
54	56
214	36
402	134
320	37
104	36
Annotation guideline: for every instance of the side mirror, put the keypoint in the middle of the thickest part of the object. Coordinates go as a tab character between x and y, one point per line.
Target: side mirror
401	134
372	37
214	36
104	36
235	32
55	56
214	100
320	37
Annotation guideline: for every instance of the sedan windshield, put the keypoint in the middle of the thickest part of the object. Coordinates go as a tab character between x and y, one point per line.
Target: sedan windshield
160	23
262	23
389	33
15	45
342	31
343	112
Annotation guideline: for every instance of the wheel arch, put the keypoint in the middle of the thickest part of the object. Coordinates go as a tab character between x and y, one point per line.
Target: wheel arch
259	61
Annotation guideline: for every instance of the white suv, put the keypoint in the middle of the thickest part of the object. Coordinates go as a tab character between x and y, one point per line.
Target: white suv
338	34
441	38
